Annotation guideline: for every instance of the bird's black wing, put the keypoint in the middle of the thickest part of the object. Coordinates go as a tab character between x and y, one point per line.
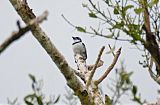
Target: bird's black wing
85	51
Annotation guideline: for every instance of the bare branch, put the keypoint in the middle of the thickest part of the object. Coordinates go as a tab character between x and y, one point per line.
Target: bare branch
18	34
14	36
109	68
100	63
111	50
154	77
67	21
152	74
95	66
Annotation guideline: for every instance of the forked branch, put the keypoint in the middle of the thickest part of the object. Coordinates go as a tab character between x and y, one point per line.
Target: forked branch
95	66
22	30
109	68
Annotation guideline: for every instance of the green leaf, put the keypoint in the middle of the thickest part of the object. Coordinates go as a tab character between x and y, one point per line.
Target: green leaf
137	99
29	97
32	78
84	5
80	29
57	100
138	10
39	100
109	36
152	3
128	7
155	1
28	103
136	36
125	77
119	25
123	13
134	90
116	11
107	100
107	2
93	15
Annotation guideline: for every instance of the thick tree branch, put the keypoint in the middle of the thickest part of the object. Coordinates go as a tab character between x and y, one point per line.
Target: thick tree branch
151	43
95	66
73	82
146	15
80	75
84	73
109	68
18	34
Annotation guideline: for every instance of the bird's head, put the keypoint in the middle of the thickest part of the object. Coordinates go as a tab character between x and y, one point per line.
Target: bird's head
76	39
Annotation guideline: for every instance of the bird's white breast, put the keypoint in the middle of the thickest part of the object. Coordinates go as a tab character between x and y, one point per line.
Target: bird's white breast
78	48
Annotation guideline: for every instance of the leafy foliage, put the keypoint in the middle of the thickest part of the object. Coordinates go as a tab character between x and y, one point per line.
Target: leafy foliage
123	20
123	85
37	97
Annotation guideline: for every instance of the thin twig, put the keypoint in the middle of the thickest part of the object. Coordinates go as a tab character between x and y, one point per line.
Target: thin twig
100	63
109	68
95	66
95	32
94	6
152	74
14	36
67	21
111	50
18	34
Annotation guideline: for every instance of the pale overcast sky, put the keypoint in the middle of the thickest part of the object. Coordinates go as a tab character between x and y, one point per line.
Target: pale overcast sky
27	56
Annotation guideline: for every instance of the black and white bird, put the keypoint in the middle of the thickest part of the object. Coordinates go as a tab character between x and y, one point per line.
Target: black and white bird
79	47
